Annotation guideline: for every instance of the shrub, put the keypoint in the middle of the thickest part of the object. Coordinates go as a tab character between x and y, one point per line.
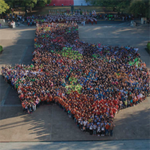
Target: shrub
148	46
1	48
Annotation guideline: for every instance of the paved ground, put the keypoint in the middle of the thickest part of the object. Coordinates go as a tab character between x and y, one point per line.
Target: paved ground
18	47
105	145
50	123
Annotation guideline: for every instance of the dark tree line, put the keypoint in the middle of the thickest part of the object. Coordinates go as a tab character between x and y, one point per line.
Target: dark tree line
136	7
27	4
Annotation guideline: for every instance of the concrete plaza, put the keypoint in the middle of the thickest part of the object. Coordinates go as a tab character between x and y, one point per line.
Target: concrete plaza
49	122
90	145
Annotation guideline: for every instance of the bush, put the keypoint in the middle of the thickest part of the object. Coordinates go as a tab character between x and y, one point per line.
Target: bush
148	46
1	48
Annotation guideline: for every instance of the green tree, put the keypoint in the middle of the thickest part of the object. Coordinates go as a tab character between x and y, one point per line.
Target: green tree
11	3
135	7
109	3
22	3
42	3
30	4
140	7
27	3
3	6
115	4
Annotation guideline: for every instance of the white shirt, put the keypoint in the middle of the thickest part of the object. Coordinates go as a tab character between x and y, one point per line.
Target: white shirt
98	129
91	127
94	127
85	122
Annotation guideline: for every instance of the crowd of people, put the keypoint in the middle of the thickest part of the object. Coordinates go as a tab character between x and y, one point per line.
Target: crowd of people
66	17
56	18
69	18
79	16
91	86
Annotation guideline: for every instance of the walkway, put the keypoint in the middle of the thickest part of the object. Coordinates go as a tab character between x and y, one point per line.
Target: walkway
106	145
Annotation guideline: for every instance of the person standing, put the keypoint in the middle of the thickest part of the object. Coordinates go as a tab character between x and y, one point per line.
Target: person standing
107	126
111	128
91	129
94	129
98	130
103	130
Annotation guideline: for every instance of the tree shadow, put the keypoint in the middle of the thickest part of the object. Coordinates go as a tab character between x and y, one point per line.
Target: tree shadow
133	122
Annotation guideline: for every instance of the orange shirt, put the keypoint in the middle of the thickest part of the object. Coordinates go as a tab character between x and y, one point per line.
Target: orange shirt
42	99
107	126
50	98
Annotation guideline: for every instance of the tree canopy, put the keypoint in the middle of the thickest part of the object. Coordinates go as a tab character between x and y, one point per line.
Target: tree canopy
3	6
140	7
117	4
109	3
135	7
27	3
